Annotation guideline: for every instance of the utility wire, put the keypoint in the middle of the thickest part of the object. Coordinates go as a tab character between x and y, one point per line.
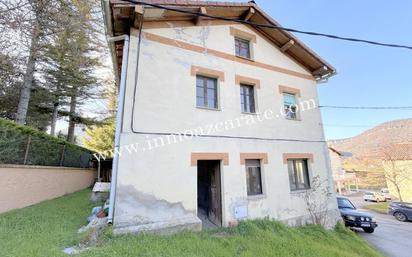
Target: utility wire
367	107
348	126
244	22
312	33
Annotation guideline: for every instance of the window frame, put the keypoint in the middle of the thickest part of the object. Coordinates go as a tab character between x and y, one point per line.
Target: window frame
296	113
296	182
249	48
243	96
205	88
249	192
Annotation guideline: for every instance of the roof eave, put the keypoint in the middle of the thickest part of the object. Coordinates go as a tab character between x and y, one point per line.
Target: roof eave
297	42
312	62
107	18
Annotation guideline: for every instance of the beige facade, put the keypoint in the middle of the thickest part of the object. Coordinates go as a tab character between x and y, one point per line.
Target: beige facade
157	185
399	171
342	180
24	185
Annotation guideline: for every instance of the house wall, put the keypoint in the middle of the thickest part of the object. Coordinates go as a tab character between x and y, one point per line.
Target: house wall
336	164
24	185
156	185
403	167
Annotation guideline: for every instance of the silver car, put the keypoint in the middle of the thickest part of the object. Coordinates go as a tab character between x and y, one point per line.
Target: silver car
374	197
386	193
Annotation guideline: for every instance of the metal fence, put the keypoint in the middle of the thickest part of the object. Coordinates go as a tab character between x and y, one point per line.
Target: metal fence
27	149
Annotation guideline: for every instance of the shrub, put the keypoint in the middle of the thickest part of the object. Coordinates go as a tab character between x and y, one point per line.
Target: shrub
21	144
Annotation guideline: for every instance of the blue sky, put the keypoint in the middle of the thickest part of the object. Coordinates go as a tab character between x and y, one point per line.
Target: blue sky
367	75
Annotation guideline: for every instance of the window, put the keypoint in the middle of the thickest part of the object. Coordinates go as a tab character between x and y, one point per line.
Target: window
344	203
206	92
247	98
290	106
253	177
298	174
242	48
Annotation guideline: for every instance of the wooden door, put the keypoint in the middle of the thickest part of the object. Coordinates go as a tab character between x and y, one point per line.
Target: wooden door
215	205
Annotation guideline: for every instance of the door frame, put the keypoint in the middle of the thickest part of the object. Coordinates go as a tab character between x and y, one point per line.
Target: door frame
220	164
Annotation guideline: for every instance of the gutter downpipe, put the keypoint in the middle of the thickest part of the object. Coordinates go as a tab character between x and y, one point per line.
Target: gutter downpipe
119	118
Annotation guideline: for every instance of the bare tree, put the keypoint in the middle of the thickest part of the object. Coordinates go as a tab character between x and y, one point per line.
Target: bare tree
317	199
397	165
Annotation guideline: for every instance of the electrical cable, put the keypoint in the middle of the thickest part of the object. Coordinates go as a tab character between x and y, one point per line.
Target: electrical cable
207	136
367	107
186	134
348	126
136	77
227	137
312	33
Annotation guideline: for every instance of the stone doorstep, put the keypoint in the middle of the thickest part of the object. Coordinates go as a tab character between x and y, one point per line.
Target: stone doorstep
161	227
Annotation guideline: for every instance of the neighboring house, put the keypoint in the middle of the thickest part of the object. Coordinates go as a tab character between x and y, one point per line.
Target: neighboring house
341	178
218	79
397	163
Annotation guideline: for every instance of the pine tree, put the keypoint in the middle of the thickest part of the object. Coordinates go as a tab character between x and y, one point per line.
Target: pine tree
70	65
57	44
101	138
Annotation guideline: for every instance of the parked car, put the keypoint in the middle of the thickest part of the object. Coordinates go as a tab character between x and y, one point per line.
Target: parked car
386	194
402	211
374	196
355	218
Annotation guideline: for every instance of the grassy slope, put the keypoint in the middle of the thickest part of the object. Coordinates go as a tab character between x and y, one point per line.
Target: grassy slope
378	207
45	229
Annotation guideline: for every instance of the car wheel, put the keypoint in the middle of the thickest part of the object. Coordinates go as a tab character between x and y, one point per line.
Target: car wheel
400	216
368	230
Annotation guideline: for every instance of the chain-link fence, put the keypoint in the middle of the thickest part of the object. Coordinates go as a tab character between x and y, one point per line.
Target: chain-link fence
22	145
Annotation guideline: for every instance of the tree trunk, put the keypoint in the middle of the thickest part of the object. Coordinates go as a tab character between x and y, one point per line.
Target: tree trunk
72	123
398	190
28	77
54	119
55	110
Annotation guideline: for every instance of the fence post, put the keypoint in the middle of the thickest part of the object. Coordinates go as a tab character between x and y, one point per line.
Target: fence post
62	156
27	150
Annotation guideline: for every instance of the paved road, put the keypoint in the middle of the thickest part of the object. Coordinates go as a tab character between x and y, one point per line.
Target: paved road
392	237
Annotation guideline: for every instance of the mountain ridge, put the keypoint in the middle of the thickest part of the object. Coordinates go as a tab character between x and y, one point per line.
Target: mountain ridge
366	148
370	142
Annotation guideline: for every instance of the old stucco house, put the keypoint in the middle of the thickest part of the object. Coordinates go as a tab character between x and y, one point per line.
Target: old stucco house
211	131
342	179
397	164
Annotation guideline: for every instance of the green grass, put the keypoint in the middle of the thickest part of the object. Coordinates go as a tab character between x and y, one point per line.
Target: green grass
46	228
378	207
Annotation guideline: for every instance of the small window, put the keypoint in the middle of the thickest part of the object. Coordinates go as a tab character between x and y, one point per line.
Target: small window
242	48
247	98
290	106
298	174
206	92
253	177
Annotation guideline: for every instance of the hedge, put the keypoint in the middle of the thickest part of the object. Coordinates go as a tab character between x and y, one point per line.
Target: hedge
21	144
